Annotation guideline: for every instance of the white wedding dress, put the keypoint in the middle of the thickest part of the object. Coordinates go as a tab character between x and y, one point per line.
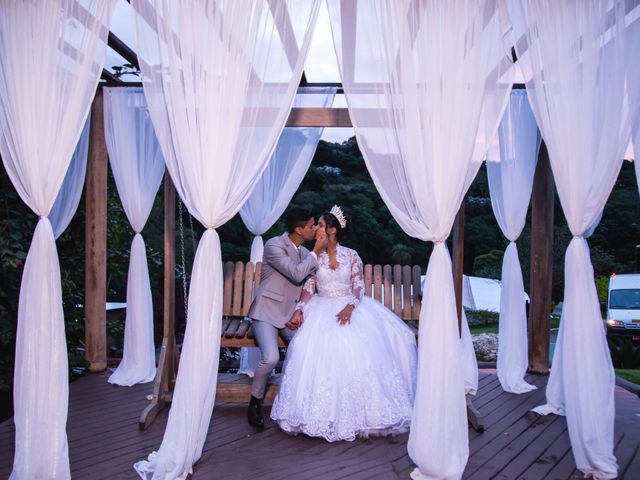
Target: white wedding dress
345	381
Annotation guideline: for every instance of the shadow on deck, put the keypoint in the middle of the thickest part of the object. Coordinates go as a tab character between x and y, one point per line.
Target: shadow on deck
104	440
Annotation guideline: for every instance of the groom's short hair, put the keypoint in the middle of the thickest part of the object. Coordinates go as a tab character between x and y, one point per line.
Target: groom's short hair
297	217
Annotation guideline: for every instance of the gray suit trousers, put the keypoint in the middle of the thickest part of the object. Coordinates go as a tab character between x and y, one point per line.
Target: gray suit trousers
267	338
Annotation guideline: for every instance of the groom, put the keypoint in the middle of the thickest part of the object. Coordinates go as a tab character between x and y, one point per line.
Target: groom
285	267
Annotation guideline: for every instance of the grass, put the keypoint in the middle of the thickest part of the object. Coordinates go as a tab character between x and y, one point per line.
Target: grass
554	322
632	375
493	328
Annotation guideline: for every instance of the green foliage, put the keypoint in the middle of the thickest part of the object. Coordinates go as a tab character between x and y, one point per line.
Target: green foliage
488	265
602	287
338	175
632	375
482	317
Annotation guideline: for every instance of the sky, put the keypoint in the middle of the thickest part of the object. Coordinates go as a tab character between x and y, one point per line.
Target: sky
321	65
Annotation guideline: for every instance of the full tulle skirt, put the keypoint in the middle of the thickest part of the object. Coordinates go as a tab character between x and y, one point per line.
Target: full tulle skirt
345	381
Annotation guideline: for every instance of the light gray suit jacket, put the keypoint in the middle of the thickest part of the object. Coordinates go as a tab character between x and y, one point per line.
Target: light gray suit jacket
283	273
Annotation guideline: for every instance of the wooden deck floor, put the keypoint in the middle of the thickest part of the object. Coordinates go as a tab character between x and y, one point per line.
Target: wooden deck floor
104	440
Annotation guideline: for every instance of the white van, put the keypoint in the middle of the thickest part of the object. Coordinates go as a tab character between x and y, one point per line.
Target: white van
623	305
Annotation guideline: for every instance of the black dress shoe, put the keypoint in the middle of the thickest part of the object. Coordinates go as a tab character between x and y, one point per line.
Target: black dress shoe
254	413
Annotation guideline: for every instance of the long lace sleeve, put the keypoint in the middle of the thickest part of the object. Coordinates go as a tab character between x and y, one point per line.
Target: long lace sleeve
357	279
308	290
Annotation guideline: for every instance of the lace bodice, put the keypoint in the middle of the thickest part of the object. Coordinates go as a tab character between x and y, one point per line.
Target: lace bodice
344	281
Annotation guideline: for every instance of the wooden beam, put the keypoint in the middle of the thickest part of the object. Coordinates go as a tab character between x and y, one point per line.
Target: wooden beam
123	50
542	205
96	242
168	361
457	240
319	117
108	76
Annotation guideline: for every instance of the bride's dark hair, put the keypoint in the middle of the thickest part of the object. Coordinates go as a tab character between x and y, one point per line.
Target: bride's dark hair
331	221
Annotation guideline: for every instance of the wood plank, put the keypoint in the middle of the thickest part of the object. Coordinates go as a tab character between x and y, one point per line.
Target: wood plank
95	277
387	275
104	442
457	241
238	277
247	292
377	282
397	290
542	210
406	293
319	117
231	330
522	451
227	288
555	451
239	389
368	280
243	328
416	292
256	277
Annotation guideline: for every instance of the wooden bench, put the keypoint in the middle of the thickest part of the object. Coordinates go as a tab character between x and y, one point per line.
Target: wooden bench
397	287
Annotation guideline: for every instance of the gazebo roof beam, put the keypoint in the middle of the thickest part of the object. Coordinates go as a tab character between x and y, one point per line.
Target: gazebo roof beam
110	77
123	50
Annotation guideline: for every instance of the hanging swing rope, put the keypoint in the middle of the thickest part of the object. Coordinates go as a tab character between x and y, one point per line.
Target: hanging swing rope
193	234
182	255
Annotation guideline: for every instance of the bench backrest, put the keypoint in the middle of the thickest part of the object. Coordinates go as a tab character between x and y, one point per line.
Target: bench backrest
397	287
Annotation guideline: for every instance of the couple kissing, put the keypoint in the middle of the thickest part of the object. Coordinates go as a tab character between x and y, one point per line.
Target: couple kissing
350	368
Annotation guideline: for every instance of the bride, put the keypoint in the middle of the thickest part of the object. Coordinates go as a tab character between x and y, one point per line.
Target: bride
350	370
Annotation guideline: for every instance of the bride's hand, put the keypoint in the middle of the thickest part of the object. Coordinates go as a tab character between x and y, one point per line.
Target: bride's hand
344	315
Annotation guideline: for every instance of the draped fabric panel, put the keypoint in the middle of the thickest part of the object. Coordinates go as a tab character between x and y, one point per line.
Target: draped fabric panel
51	57
219	79
576	65
279	182
510	170
138	166
633	91
287	167
68	199
469	360
426	84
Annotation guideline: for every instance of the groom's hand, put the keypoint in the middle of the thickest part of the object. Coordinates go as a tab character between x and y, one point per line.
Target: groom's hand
295	321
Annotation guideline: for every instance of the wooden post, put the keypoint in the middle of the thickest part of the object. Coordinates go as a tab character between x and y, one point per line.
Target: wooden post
168	361
96	242
457	240
542	204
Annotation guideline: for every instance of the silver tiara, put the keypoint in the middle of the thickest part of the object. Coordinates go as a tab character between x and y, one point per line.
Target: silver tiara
336	211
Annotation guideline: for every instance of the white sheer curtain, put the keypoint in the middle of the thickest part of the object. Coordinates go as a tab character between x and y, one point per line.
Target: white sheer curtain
287	167
469	360
138	166
51	57
68	199
576	66
279	182
633	91
423	85
510	169
219	78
